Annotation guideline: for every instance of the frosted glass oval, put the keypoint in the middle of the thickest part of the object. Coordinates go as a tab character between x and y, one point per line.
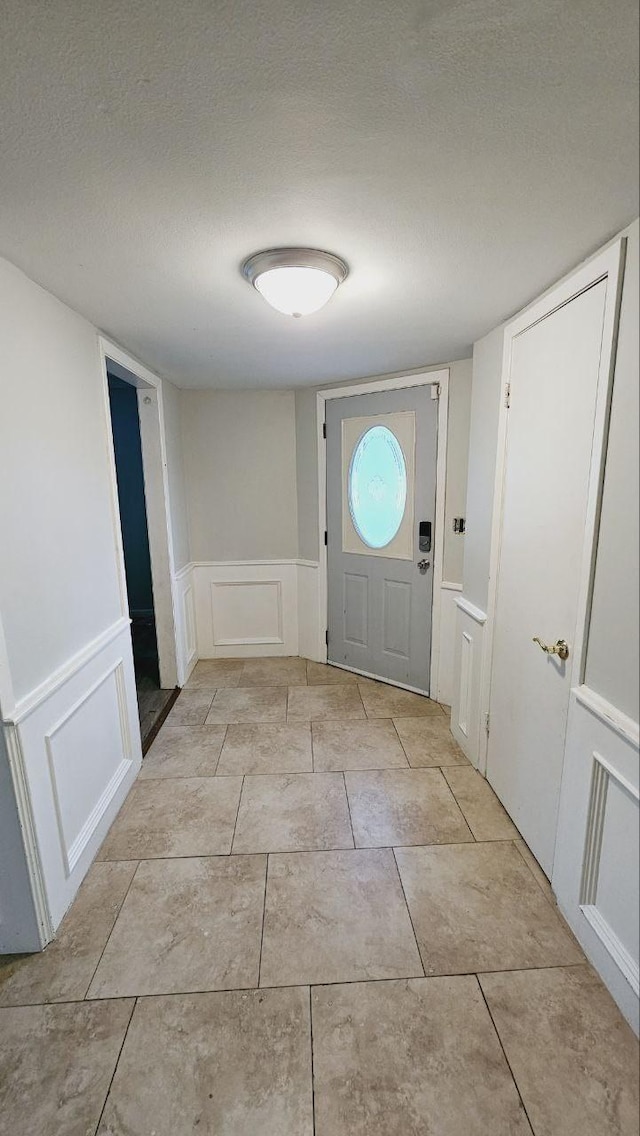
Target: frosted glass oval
377	487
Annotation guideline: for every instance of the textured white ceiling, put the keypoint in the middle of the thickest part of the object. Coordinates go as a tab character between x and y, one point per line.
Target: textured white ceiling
460	157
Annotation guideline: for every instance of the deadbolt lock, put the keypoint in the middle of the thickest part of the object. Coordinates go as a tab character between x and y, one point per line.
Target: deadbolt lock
424	565
561	648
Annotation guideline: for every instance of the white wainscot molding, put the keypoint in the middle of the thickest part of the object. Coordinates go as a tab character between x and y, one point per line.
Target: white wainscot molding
311	620
184	601
74	754
466	725
595	872
449	594
248	609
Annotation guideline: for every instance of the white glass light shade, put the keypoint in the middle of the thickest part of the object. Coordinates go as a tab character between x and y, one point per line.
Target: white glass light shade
296	291
296	282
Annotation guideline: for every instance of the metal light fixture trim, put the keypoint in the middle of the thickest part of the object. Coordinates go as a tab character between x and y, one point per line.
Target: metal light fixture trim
302	264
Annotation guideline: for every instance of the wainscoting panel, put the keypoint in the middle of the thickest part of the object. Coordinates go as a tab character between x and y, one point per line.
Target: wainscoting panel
271	607
449	594
245	609
246	612
595	874
311	621
77	751
82	790
466	722
185	617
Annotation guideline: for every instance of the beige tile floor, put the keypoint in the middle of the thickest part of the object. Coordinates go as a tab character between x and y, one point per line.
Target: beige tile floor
312	917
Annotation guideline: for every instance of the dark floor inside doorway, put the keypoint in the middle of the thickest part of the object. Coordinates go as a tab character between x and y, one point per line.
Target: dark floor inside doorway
154	702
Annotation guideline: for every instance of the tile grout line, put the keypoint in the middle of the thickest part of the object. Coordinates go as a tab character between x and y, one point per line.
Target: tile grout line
504	1052
224	738
551	899
235	823
298	851
264	915
290	986
406	901
406	755
346	793
115	1067
313	1073
113	925
301	772
457	804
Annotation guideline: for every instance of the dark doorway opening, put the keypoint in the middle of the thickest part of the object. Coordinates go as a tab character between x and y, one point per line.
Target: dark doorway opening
153	702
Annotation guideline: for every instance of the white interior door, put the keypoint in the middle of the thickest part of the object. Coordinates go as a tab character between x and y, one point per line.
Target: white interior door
550	432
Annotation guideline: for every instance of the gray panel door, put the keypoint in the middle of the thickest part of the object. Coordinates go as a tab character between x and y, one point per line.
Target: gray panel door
381	484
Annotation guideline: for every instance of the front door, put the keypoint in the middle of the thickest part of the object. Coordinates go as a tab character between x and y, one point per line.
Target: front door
554	384
381	492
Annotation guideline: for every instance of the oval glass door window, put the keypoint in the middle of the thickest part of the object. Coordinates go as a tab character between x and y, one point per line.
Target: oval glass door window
377	488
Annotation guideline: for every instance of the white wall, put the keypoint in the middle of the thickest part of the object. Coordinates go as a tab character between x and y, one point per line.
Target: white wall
176	475
483	441
307	474
70	744
19	929
58	575
240	465
460	395
612	655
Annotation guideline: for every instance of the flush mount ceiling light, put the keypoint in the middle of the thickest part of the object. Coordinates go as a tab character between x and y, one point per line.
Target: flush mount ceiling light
295	281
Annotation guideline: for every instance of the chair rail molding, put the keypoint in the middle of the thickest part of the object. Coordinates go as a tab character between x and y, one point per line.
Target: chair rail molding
25	706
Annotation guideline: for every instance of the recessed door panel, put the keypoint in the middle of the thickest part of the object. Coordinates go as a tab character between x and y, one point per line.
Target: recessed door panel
397	618
356	590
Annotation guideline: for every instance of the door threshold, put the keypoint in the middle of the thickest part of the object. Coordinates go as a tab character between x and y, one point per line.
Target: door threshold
376	678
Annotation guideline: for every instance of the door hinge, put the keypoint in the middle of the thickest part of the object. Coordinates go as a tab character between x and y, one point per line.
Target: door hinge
435	390
487	723
507	396
326	637
324	429
326	537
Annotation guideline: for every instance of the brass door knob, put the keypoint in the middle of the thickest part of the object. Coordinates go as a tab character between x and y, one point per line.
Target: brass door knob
561	648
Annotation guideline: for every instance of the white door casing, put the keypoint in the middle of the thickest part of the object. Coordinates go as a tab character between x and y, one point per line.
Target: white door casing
558	360
438	378
381	474
156	485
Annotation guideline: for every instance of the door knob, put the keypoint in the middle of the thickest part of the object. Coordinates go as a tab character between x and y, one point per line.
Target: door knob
423	565
561	648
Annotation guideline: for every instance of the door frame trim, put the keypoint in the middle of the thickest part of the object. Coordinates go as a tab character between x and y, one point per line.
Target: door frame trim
439	376
155	467
607	265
